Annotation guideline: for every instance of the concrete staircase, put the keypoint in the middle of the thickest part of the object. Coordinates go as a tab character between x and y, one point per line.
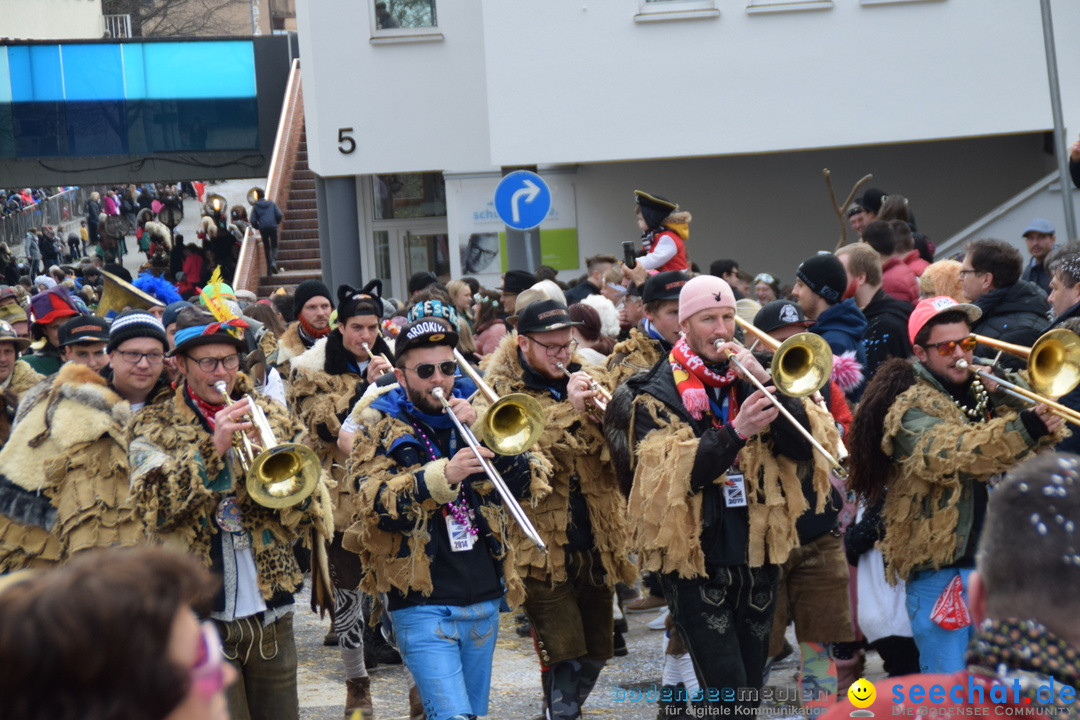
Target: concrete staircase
298	237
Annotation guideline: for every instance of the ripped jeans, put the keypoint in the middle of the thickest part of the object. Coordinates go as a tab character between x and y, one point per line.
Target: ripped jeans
448	650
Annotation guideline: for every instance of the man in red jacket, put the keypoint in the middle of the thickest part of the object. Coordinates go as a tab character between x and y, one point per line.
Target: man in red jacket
1024	658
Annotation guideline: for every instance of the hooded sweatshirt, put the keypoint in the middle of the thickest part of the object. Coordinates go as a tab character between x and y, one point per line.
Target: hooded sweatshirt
843	326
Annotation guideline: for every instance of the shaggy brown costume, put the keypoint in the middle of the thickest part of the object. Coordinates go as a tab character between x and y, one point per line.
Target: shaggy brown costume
937	450
67	459
23	377
637	353
289	346
379	478
667	533
573	445
173	462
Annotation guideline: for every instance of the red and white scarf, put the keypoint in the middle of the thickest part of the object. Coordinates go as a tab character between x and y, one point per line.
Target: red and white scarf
691	377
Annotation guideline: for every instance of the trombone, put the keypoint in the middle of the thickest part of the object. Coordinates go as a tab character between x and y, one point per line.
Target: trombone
602	397
511	503
278	474
512	423
800	367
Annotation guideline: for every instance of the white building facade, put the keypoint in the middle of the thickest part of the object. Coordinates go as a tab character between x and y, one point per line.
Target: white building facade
730	107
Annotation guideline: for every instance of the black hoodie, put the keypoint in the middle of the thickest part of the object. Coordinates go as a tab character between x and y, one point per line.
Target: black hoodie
886	334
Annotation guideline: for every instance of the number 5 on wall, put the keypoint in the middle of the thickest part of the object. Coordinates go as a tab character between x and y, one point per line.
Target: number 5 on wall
346	143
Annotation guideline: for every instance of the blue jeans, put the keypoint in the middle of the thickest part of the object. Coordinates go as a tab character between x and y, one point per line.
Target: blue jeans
448	650
940	650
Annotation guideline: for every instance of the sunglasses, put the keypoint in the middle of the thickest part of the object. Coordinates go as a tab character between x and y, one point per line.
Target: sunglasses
447	368
208	673
947	348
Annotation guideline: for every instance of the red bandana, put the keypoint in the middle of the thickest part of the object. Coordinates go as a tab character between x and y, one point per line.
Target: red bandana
312	332
691	377
207	410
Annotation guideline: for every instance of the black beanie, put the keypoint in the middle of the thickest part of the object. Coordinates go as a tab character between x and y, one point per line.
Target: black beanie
309	289
825	275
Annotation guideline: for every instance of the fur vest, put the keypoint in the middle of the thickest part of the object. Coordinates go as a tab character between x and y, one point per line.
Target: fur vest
637	353
939	455
399	560
573	445
178	479
64	480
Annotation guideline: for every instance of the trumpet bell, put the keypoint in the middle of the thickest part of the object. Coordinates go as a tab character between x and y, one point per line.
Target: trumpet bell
1054	363
512	424
802	364
283	476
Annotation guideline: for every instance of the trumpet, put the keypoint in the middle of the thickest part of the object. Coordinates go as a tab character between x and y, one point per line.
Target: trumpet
278	474
512	423
786	382
367	349
511	503
602	397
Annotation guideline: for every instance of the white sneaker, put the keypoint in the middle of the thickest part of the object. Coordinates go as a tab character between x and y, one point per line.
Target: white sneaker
659	621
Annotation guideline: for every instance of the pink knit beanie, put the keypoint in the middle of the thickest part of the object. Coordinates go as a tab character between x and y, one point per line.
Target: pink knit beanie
702	293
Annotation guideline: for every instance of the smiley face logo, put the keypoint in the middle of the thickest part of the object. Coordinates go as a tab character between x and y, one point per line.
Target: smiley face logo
862	693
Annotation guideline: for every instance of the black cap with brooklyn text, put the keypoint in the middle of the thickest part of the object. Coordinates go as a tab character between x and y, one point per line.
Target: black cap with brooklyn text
423	333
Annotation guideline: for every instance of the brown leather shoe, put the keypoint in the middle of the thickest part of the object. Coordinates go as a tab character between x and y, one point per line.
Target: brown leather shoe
358	699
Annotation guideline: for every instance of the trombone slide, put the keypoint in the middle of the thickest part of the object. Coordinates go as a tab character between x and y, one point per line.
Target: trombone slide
1064	412
511	503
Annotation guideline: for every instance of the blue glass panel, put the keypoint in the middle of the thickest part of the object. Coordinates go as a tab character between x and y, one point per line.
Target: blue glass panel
5	77
93	72
45	75
134	71
218	69
19	72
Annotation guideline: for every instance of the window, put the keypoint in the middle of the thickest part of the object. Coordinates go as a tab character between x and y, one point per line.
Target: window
398	14
774	6
409	195
662	10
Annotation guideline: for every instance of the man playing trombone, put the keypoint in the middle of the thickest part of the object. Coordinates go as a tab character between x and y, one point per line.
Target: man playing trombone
936	436
430	528
582	520
716	491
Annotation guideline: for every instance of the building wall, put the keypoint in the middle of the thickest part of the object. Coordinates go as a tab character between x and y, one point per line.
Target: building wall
52	20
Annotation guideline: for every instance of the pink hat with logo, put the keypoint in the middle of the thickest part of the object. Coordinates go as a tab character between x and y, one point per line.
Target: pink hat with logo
932	307
702	293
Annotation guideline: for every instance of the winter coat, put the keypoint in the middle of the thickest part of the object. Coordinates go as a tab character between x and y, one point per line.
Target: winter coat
265	215
1016	314
843	326
886	334
898	280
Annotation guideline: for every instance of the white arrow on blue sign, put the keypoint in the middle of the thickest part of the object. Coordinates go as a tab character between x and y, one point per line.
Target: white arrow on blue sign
522	199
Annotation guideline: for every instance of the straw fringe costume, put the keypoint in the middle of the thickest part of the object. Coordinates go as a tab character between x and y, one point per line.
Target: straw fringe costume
941	457
64	483
178	480
637	353
23	377
719	563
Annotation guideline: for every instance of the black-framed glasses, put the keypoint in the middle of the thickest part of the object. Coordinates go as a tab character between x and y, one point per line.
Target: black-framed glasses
447	368
134	358
948	347
210	364
556	350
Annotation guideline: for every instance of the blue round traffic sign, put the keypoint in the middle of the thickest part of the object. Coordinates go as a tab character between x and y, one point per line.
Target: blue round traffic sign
522	199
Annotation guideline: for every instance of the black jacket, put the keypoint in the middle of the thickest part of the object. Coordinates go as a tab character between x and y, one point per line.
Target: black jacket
1070	399
1016	314
886	334
724	530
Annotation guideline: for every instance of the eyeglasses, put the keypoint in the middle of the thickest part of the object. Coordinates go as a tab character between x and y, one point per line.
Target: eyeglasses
210	364
208	673
947	348
447	368
134	358
556	350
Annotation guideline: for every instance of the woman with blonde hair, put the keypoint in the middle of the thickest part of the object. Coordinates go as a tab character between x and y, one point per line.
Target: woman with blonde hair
461	297
942	278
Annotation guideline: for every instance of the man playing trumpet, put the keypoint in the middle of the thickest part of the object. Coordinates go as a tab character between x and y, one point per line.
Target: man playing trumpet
716	489
430	529
190	486
327	380
569	589
936	436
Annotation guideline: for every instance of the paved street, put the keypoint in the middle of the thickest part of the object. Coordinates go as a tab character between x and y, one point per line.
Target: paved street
515	691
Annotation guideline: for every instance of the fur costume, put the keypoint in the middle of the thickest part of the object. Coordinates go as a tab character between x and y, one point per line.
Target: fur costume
322	393
174	465
64	483
379	478
667	534
289	346
637	353
939	456
573	445
23	377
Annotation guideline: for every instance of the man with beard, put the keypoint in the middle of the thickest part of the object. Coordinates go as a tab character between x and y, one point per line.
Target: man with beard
326	382
314	304
430	528
936	435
